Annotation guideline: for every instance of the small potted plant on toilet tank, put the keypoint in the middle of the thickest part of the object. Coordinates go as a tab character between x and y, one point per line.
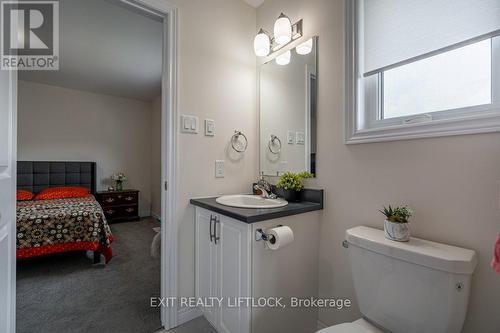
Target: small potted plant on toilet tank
396	225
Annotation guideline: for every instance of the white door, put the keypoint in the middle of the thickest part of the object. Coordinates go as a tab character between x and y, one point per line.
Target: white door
8	123
234	274
206	261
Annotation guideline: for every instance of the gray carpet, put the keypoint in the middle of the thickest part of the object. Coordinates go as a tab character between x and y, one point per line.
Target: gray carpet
66	293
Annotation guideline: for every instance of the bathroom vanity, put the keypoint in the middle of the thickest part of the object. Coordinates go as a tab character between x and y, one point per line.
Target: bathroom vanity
233	262
231	265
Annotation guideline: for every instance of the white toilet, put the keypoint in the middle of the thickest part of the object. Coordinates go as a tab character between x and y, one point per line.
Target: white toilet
418	286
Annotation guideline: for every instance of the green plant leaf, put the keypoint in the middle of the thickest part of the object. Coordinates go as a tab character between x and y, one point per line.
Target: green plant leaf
397	214
290	181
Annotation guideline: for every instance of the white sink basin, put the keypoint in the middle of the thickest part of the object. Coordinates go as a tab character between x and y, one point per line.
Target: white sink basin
250	201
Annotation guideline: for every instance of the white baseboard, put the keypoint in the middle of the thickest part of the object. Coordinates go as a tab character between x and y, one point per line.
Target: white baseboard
187	314
321	325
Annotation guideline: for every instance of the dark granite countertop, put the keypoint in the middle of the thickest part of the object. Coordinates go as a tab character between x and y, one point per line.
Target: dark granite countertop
311	200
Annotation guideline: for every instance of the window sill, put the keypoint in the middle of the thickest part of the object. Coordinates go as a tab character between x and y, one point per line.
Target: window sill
436	128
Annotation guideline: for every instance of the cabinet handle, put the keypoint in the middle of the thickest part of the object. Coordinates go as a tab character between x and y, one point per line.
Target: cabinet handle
217	221
210	229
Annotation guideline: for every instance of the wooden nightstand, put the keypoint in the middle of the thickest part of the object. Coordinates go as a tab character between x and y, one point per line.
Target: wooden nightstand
119	205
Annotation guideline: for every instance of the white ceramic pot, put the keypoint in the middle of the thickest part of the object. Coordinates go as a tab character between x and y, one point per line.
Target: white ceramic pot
399	232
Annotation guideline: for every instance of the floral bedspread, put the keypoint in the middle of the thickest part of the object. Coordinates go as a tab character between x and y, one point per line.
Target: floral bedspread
62	225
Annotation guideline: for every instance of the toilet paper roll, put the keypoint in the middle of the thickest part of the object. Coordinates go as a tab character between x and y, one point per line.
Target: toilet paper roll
279	237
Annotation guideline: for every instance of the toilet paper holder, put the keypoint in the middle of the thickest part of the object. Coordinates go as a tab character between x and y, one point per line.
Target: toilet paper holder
261	235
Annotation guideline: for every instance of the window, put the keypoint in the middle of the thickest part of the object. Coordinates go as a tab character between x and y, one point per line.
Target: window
420	76
448	81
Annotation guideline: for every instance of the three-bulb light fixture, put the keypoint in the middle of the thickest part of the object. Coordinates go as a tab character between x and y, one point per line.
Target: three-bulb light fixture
284	33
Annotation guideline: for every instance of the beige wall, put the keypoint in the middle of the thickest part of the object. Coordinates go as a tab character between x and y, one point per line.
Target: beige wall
156	185
59	124
452	183
217	80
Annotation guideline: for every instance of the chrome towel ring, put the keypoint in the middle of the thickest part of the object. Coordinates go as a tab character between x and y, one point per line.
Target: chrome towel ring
274	141
237	144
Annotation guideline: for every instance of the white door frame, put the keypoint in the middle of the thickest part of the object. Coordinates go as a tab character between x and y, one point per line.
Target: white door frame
10	230
169	230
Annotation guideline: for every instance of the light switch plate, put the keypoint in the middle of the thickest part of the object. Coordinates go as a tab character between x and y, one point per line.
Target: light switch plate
186	123
290	137
300	138
189	124
194	124
219	169
209	127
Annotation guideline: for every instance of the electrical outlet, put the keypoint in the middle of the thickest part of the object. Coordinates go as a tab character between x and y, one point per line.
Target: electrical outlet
219	169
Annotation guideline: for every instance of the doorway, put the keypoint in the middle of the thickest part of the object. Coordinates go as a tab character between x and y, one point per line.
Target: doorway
8	84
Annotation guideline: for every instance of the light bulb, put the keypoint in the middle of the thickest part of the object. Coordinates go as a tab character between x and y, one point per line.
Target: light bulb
283	30
284	59
261	44
305	48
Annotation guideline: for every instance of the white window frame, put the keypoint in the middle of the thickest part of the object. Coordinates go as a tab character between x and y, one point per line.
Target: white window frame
363	97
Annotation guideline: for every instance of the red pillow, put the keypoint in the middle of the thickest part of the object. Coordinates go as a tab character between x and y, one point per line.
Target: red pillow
62	193
23	195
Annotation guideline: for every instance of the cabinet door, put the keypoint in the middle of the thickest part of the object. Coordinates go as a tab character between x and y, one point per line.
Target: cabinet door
234	260
206	262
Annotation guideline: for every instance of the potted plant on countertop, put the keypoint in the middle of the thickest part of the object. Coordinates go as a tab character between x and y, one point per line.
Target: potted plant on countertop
118	179
290	184
396	225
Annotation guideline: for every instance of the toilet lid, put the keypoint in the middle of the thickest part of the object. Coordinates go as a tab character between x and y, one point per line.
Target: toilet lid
346	328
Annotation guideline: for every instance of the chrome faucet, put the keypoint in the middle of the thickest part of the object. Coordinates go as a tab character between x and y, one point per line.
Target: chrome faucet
265	188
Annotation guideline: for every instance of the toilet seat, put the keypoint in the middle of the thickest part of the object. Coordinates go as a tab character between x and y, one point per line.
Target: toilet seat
359	326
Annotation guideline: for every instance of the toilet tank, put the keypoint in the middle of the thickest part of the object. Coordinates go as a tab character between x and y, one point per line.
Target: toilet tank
416	286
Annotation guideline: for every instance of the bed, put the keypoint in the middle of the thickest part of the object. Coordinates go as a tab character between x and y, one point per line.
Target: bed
60	225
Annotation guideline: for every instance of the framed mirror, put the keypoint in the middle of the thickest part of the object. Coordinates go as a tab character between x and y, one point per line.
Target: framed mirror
288	110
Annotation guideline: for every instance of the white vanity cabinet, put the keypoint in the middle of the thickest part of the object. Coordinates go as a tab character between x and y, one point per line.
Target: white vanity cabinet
231	263
223	268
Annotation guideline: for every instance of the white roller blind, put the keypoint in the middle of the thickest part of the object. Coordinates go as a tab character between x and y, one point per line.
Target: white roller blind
397	30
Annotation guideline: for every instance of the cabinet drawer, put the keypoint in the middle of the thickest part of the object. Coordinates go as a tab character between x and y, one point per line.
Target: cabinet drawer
119	199
120	211
111	212
129	211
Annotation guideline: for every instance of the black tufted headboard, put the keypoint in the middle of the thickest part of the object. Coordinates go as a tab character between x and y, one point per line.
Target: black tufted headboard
36	176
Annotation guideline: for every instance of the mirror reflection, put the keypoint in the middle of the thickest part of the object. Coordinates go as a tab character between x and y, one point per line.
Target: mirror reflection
288	102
